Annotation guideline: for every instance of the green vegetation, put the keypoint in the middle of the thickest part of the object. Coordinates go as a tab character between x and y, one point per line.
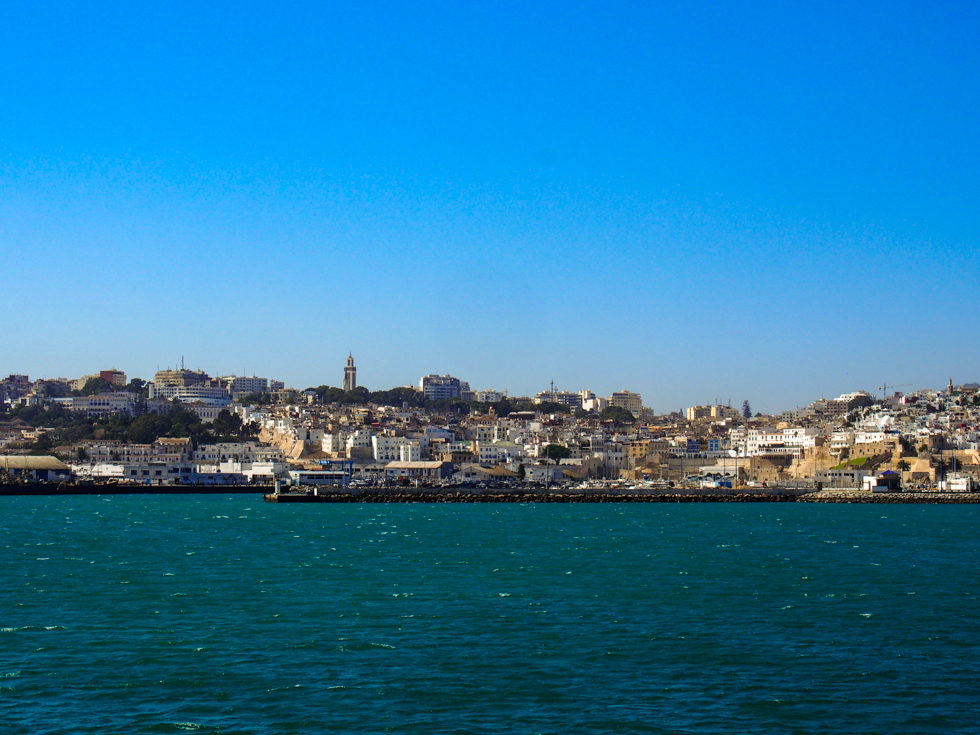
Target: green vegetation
557	452
66	428
94	386
617	414
551	407
360	396
257	399
137	385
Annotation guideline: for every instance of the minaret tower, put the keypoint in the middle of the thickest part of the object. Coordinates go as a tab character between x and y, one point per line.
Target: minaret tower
350	374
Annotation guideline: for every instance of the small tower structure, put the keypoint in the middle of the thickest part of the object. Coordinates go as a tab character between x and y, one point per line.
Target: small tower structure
350	374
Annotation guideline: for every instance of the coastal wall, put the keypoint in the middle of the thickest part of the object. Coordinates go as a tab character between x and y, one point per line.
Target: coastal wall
865	496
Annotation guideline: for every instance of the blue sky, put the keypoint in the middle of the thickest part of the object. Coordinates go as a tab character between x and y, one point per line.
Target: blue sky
689	200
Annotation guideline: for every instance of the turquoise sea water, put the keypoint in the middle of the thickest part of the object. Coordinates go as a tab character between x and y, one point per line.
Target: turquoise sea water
142	614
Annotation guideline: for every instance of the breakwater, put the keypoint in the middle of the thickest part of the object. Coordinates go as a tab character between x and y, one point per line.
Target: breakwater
519	497
859	496
826	496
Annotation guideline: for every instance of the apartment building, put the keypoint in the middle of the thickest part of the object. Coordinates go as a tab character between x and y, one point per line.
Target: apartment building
441	387
209	395
632	402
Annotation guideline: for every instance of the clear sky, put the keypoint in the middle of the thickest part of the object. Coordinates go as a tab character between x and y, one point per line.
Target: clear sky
690	200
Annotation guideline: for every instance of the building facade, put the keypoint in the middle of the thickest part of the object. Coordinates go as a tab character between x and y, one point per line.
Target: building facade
440	387
632	402
206	394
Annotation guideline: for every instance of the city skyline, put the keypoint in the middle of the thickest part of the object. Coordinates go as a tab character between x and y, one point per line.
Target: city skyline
349	364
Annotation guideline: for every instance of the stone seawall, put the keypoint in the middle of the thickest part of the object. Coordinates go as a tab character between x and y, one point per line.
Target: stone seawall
864	496
518	497
826	496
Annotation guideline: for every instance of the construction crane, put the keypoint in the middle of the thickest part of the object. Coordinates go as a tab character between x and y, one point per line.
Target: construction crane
884	388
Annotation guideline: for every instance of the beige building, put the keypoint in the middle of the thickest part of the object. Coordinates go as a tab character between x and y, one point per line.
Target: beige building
724	412
114	377
180	378
696	413
632	402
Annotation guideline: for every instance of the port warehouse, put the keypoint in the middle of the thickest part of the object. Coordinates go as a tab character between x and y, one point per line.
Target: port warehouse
34	468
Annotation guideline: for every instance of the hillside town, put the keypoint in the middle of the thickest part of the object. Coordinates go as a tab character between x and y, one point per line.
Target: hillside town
186	427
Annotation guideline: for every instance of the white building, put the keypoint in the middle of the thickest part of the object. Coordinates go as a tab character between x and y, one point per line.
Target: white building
208	395
572	400
236	452
333	444
440	387
206	413
783	441
592	402
104	404
500	452
489	396
243	385
411	452
388	448
359	439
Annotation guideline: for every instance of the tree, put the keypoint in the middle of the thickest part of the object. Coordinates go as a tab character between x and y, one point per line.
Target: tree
42	443
551	407
617	414
503	407
147	428
255	399
557	452
227	423
746	409
81	454
94	386
903	465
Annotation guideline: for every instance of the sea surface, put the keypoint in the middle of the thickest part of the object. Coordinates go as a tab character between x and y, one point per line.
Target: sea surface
170	614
